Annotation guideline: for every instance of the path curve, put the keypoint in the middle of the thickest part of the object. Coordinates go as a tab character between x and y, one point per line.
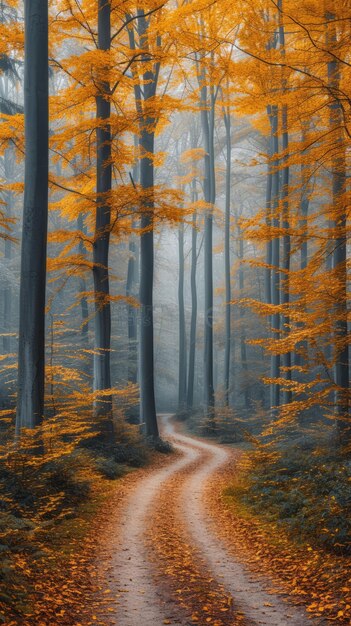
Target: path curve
143	602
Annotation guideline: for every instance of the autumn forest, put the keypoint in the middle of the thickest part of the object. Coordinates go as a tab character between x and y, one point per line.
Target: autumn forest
175	430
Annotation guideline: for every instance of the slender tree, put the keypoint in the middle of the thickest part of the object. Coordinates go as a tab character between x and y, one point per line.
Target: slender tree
339	233
193	288
227	278
182	366
31	360
207	106
275	275
285	291
102	350
147	123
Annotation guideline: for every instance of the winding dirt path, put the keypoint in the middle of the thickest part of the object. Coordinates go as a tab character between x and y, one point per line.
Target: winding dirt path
169	567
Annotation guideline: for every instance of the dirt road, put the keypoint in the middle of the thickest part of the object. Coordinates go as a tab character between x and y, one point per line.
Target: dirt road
169	568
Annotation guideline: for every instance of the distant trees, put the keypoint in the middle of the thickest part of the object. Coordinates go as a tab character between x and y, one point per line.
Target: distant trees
277	245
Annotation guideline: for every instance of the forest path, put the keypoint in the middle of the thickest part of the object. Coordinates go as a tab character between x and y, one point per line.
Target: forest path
169	566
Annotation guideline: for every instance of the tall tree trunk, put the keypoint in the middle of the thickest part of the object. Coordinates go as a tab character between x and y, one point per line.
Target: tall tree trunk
147	383
102	373
285	291
147	176
275	275
339	217
193	321
285	295
82	285
31	357
243	351
132	312
131	289
8	254
302	347
268	269
227	123
182	333
207	119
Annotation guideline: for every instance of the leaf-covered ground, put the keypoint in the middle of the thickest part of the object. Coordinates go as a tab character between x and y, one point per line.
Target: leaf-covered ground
313	576
165	545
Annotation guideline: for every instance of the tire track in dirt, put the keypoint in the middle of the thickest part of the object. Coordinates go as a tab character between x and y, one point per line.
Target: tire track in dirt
170	568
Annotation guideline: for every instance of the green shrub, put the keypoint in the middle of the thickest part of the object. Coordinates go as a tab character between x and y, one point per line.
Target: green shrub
108	468
308	494
161	445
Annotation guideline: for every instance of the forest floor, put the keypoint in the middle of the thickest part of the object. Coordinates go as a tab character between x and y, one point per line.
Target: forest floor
165	558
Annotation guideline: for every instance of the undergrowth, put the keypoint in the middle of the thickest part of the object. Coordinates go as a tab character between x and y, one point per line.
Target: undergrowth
306	492
44	499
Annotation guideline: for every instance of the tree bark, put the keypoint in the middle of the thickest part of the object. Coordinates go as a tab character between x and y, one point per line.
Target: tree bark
243	351
285	294
207	120
275	275
193	321
131	291
147	176
82	286
227	123
102	373
339	256
182	369
31	356
285	291
268	269
8	254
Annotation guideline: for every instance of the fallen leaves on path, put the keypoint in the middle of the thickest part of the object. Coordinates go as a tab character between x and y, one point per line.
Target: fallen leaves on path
319	580
180	569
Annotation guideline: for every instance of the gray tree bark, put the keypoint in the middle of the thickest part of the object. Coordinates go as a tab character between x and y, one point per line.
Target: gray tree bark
8	171
339	257
243	351
131	291
82	286
147	174
102	320
207	104
227	279
193	321
285	291
182	365
275	273
268	270
31	355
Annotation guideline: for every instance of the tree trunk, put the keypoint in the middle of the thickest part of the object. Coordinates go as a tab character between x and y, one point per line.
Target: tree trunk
207	119
227	123
243	351
182	333
268	269
275	276
147	383
285	294
285	291
102	374
193	321
31	357
7	291
131	291
82	286
339	217
132	311
147	148
301	350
